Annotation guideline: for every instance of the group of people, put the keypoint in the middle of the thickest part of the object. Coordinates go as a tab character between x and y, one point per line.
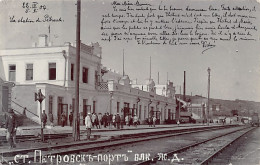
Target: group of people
151	121
108	120
91	120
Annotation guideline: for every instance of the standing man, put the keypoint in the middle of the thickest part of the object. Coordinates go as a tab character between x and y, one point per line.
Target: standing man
51	119
88	124
44	118
109	119
104	120
135	120
93	119
11	126
154	120
71	118
63	119
117	120
127	120
99	120
122	121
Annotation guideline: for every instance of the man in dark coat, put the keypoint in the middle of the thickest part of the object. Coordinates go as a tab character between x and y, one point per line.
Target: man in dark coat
118	120
109	119
63	119
71	118
11	126
51	119
104	119
44	118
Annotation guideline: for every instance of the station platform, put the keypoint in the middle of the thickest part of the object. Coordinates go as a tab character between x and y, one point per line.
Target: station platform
96	135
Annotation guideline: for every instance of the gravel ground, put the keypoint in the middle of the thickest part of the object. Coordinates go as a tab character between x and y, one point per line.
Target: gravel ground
151	148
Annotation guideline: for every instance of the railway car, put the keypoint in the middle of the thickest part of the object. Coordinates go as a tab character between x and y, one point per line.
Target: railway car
255	120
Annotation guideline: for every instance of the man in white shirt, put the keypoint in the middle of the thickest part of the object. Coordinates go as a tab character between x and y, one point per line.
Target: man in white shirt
88	124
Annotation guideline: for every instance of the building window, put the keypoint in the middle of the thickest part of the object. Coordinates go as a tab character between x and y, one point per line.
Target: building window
52	71
94	106
50	104
85	75
85	104
12	72
169	114
117	107
72	72
29	72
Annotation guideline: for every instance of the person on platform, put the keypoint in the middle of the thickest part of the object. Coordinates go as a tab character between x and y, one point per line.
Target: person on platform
114	120
135	120
117	121
150	121
109	119
63	119
51	119
122	121
104	120
11	126
127	119
99	120
154	120
93	119
44	118
88	124
71	118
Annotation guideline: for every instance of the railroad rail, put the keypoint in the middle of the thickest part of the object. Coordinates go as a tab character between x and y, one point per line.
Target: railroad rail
215	154
48	136
75	147
157	159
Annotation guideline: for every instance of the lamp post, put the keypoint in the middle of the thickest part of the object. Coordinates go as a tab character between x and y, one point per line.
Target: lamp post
40	97
208	92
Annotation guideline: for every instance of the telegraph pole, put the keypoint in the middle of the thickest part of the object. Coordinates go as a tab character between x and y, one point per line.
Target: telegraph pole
208	92
40	97
76	123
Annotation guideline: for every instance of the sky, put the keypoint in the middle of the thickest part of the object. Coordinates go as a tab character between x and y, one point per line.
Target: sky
235	66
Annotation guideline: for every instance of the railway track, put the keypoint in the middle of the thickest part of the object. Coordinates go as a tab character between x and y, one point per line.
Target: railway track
48	136
202	152
84	146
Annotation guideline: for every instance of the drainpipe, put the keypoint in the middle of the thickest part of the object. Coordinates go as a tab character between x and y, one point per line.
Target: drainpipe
64	55
150	102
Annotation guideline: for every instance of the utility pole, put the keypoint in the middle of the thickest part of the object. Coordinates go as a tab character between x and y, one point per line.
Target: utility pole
208	92
76	128
40	97
179	115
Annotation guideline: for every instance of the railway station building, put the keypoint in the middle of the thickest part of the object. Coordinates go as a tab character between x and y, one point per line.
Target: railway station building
52	69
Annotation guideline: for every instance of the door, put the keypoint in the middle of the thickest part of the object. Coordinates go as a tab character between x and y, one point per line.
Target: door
62	108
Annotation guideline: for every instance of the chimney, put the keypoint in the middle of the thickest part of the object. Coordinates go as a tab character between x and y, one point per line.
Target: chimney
42	40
